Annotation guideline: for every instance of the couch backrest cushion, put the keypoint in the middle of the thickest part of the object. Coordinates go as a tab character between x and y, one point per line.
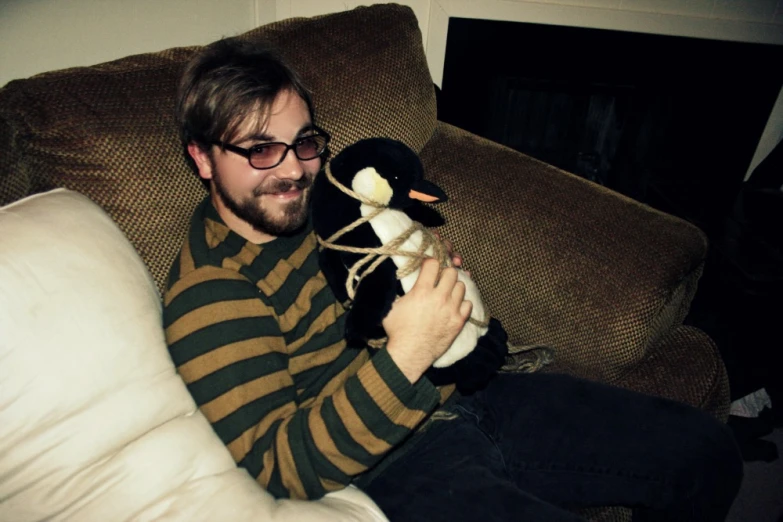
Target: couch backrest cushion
108	131
95	424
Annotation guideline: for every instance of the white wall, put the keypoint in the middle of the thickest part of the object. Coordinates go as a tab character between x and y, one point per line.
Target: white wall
43	35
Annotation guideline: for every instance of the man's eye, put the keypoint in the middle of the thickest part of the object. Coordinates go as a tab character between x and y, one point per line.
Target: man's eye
262	150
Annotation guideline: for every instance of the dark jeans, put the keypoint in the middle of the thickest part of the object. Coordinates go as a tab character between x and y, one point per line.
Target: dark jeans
531	447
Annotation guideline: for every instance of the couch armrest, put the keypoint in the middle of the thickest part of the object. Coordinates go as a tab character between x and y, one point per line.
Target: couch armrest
563	261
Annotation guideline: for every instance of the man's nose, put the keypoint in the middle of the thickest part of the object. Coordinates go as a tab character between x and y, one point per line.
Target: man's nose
290	167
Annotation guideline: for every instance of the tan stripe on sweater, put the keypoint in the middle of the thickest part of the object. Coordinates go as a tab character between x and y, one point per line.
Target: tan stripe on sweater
215	313
244	257
202	275
289	475
317	358
242	445
338	381
269	467
227	403
225	355
215	233
356	427
325	319
277	277
302	305
326	445
392	407
331	485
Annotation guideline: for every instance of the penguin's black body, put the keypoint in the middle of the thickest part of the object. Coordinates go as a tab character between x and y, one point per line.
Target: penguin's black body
389	174
333	210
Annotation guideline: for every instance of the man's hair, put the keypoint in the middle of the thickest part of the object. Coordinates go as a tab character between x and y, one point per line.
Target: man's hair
226	82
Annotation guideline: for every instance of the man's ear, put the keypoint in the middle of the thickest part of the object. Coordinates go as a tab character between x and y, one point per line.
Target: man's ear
201	159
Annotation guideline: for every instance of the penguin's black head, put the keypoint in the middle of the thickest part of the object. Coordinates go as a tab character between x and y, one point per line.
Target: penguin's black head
386	171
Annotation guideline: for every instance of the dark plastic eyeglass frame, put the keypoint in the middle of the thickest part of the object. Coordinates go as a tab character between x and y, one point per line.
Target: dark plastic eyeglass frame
248	152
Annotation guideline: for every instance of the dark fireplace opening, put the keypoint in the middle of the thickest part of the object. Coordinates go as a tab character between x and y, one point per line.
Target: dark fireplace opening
670	121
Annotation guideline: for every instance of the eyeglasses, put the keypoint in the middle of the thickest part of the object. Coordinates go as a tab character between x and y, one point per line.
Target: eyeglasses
269	155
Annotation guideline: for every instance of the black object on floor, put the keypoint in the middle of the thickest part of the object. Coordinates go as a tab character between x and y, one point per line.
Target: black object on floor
749	432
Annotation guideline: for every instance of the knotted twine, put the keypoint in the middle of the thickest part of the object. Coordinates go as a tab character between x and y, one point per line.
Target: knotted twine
525	359
374	256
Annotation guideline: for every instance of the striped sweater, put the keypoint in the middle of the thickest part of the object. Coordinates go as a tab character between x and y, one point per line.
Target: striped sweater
257	336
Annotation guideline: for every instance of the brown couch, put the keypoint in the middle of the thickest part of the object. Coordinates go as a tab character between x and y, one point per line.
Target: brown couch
602	279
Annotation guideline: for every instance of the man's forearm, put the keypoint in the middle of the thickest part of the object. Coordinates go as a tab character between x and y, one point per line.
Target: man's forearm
412	364
305	452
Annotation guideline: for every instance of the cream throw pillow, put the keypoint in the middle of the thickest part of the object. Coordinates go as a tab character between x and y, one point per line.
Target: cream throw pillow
95	424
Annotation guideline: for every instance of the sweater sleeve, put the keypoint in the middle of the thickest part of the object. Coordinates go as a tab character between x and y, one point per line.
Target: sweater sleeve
228	347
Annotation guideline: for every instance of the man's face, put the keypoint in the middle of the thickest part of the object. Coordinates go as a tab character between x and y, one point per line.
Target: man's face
263	204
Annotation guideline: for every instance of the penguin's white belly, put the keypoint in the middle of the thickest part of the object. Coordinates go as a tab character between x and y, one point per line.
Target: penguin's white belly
389	225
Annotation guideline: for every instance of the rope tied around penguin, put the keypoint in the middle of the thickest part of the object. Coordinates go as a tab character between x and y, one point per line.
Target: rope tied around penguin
374	256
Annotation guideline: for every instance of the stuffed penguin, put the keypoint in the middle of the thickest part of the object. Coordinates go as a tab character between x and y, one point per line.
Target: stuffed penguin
371	249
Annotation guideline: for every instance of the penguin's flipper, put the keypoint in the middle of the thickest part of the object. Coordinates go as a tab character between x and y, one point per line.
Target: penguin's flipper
426	215
333	268
373	300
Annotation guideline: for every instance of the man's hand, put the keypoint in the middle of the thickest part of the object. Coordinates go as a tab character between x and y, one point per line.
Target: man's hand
423	323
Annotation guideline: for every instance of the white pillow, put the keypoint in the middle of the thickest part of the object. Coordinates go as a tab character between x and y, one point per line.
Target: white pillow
95	424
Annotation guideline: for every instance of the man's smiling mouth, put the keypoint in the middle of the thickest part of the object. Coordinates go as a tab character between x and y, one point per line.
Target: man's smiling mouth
285	189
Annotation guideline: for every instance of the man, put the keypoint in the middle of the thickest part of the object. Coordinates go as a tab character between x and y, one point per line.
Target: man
258	337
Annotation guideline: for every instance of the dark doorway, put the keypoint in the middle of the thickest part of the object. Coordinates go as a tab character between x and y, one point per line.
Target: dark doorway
670	121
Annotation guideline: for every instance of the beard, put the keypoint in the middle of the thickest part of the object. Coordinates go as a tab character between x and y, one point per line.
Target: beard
285	220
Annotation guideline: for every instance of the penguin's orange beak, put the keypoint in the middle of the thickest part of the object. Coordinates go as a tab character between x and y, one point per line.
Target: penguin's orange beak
421	196
427	192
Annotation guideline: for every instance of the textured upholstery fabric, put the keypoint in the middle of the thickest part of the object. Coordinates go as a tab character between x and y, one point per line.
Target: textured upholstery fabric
108	131
694	375
599	278
367	72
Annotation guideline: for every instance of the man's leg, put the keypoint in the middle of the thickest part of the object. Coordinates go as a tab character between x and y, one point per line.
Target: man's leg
455	474
576	443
